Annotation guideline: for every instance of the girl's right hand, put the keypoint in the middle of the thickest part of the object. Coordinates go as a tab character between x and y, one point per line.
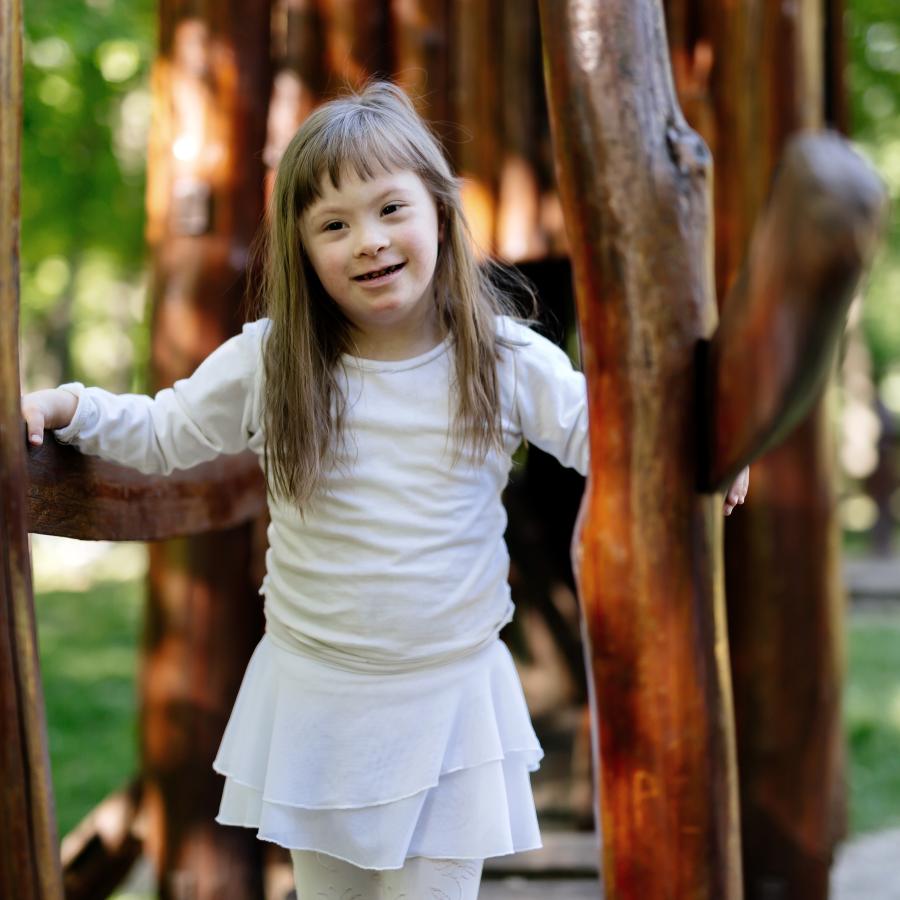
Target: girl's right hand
51	408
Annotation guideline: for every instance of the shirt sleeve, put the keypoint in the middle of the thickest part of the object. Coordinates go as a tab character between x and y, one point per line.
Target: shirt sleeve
214	411
550	397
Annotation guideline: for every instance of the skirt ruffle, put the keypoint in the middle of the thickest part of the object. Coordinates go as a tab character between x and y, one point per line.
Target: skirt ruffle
376	768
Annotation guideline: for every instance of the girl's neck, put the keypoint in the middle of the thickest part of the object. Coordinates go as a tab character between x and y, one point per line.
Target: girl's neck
398	343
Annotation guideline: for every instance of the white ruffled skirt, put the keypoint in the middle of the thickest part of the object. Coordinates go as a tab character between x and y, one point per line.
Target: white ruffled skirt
372	768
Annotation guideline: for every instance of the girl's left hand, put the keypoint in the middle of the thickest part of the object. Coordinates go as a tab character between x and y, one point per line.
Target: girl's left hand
738	491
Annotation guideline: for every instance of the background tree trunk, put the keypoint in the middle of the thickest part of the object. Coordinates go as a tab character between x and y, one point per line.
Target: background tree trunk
205	191
749	76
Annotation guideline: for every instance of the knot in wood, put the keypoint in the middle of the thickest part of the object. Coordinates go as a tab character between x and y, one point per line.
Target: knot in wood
687	150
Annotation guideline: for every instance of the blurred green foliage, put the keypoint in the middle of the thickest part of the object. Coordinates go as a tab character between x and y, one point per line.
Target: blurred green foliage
85	119
874	77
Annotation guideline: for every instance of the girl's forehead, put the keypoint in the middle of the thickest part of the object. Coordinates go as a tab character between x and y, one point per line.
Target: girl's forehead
353	188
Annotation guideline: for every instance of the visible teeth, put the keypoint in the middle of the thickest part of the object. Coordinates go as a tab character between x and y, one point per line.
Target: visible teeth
379	273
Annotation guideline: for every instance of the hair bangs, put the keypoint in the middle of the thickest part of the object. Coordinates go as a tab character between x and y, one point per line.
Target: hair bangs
366	143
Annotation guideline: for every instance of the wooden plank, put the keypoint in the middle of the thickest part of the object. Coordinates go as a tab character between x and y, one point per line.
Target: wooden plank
78	496
29	862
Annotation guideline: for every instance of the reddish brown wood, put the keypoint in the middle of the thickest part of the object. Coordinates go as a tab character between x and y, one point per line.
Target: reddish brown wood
837	94
204	614
83	497
357	41
519	233
765	79
648	557
29	864
101	850
420	30
786	625
475	112
784	316
299	76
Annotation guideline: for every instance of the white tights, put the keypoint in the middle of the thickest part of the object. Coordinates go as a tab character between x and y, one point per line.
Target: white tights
321	877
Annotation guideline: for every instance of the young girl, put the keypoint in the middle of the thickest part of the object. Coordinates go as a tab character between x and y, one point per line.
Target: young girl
380	732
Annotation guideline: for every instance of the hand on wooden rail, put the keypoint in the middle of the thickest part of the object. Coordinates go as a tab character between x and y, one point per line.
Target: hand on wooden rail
47	409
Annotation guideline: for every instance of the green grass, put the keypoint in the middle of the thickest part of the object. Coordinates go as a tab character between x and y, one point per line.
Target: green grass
872	715
88	650
88	645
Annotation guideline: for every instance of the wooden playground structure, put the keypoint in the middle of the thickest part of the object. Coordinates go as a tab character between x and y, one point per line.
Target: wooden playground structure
714	696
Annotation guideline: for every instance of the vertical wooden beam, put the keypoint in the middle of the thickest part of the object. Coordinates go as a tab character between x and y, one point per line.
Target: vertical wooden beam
786	623
519	235
750	74
421	41
635	188
357	41
211	84
476	111
29	859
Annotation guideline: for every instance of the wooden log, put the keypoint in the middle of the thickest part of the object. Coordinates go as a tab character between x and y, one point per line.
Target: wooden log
785	608
519	235
101	850
29	863
782	321
475	110
211	83
77	496
357	42
299	80
421	61
634	181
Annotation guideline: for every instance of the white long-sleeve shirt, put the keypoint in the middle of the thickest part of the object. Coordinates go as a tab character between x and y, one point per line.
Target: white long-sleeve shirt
399	561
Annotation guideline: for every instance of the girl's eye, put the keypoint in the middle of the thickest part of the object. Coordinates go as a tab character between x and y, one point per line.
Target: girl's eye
333	226
390	208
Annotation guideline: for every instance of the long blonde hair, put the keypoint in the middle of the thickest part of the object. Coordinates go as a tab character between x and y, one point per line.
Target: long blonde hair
376	129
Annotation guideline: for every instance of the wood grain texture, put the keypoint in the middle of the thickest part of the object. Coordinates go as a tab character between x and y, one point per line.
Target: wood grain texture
29	862
759	73
78	496
204	615
634	180
782	321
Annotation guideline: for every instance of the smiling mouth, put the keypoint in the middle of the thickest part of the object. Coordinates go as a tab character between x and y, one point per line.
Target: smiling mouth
371	276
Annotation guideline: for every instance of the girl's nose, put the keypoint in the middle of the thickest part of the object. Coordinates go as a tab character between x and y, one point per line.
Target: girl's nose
371	239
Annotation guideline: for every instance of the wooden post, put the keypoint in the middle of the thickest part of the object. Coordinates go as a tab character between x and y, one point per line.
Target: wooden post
205	190
635	185
773	75
29	863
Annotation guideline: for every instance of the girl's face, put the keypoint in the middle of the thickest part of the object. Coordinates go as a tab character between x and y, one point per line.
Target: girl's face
373	244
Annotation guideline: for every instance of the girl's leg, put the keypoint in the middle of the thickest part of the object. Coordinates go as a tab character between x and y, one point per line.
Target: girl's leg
318	876
321	877
422	877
